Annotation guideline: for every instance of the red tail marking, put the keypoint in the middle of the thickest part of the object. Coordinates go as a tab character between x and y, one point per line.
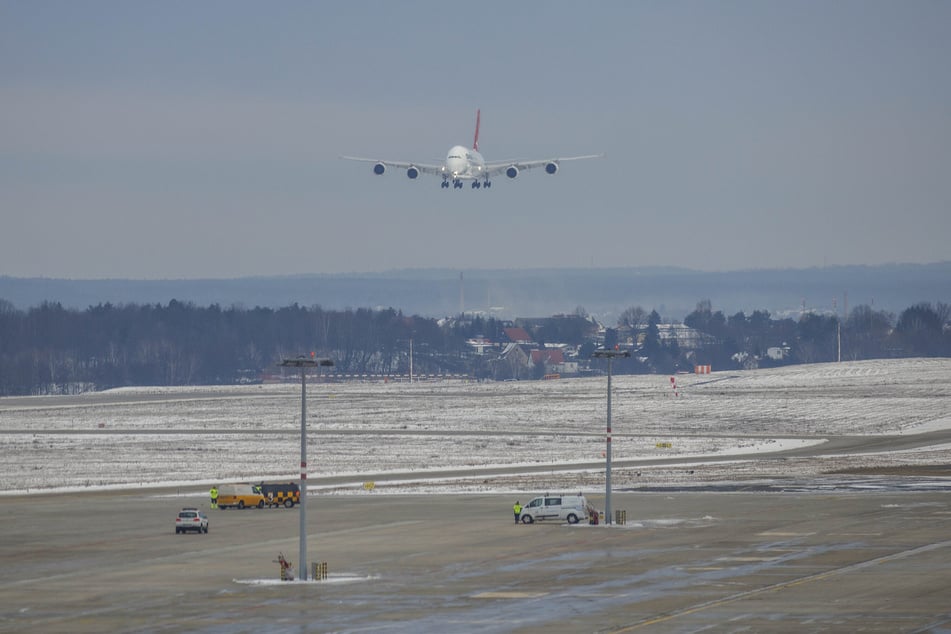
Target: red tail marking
475	142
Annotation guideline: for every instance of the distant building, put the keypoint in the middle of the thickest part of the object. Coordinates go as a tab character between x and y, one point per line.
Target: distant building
480	344
549	356
518	336
554	361
687	338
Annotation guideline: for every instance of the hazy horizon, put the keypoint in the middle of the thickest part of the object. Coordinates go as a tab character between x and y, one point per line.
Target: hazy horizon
415	272
510	293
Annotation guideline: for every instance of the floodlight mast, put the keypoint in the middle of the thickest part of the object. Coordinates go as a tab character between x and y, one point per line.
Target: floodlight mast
303	363
609	355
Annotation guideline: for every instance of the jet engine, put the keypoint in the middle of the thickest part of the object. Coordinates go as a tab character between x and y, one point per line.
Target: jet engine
551	168
379	168
412	171
512	171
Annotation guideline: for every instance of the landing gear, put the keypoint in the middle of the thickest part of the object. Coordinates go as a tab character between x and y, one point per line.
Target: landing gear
458	184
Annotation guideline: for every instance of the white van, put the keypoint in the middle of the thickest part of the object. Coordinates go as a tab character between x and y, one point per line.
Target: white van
566	508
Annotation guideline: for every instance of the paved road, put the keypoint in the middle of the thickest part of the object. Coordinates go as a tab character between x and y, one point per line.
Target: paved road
684	562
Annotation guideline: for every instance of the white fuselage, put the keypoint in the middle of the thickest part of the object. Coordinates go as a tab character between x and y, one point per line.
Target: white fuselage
464	163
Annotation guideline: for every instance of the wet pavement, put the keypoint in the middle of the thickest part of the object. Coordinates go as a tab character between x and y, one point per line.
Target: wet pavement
830	556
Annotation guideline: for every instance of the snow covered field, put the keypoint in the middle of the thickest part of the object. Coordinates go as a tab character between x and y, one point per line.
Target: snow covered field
172	436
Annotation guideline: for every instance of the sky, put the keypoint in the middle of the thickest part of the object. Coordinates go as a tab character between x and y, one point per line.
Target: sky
180	139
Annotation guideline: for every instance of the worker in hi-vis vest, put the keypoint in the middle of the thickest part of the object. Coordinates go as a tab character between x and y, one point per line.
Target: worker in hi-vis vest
518	510
214	496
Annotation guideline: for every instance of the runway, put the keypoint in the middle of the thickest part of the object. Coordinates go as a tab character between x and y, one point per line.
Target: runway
684	562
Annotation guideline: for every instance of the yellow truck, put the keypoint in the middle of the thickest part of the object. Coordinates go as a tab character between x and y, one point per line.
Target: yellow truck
241	496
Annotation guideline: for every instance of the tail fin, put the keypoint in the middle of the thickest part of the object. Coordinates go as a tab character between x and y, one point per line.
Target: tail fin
475	142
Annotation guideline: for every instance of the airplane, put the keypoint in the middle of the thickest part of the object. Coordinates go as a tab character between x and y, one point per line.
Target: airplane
465	164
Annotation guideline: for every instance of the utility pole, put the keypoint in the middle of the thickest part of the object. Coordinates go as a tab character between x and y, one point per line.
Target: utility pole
838	331
303	363
609	355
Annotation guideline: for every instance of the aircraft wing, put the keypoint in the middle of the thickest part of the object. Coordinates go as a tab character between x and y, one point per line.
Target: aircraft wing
501	167
424	168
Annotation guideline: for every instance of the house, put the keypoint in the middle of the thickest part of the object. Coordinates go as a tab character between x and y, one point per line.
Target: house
518	335
513	363
554	360
480	343
550	357
573	329
687	338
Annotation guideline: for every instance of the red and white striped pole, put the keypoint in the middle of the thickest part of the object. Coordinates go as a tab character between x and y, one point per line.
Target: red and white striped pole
303	363
609	355
302	561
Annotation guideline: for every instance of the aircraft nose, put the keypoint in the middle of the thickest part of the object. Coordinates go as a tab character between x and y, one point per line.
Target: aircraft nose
455	166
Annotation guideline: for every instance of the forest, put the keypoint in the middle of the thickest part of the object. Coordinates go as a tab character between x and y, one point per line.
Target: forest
49	349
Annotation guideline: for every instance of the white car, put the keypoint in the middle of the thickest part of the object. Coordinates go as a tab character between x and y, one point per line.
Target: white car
191	519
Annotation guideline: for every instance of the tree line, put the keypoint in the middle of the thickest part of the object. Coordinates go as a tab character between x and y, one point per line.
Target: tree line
742	341
50	349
